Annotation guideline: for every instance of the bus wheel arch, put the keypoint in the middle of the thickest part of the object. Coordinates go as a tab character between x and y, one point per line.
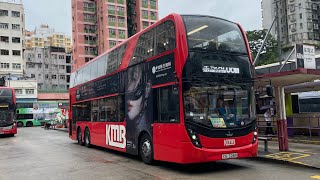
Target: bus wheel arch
79	136
87	137
20	124
146	148
29	123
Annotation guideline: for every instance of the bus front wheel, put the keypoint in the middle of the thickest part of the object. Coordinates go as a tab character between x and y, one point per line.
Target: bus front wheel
87	138
19	124
79	137
146	149
29	124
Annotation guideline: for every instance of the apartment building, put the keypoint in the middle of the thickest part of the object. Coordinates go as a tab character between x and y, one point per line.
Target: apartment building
99	25
50	66
11	38
298	19
45	36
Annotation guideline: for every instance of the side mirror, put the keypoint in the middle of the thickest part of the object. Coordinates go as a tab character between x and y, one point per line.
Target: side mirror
269	90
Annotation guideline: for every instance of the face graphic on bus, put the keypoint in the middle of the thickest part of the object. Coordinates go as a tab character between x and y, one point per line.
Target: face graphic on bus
136	86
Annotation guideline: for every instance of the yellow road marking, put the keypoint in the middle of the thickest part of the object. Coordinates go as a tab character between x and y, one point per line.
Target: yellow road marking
315	177
288	156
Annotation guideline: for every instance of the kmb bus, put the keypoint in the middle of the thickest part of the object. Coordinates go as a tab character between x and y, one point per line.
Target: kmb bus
7	111
179	91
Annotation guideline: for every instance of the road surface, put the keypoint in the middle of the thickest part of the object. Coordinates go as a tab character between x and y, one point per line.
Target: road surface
36	153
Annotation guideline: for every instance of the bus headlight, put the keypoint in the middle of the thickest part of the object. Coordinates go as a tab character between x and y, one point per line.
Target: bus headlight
255	135
194	138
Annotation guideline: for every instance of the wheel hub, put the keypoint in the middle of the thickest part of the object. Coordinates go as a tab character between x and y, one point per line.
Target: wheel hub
146	148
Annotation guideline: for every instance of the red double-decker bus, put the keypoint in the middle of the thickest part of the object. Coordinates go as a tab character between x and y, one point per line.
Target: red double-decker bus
7	111
179	91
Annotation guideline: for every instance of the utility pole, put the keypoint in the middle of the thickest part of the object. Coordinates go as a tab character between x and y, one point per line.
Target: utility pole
278	31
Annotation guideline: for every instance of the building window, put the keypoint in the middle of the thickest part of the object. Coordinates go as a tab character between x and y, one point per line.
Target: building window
15	40
5	65
62	67
18	91
29	91
54	86
112	43
16	52
145	14
4	39
145	24
39	75
33	76
39	55
46	76
16	26
54	76
46	66
62	86
4	12
39	66
31	65
153	4
122	34
121	20
62	77
112	33
153	15
16	66
4	25
145	3
120	9
61	56
4	52
15	14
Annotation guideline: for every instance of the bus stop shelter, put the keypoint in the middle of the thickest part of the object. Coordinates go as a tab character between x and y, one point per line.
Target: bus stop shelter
279	81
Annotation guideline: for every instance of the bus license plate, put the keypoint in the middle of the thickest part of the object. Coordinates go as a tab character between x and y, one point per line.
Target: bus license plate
230	156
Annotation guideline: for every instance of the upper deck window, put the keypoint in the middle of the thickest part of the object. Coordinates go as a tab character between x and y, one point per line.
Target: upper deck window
101	66
214	34
154	42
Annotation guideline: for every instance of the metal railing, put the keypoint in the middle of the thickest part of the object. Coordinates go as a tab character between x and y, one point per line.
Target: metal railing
297	125
308	124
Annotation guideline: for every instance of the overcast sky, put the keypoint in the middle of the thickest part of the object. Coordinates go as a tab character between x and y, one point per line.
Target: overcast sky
57	13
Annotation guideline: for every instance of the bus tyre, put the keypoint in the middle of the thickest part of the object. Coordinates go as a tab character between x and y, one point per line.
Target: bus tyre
146	149
29	124
87	138
79	137
19	124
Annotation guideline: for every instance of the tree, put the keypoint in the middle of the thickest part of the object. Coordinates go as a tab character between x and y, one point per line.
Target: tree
269	52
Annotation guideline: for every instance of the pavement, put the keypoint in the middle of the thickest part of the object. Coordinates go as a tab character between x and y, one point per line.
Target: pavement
299	154
304	153
35	153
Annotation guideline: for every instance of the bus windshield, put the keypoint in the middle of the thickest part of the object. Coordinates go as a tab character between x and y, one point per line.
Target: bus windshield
6	98
6	116
221	106
214	34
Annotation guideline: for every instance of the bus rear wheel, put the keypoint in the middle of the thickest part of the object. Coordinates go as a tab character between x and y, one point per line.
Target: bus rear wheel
29	124
87	138
146	149
19	124
79	137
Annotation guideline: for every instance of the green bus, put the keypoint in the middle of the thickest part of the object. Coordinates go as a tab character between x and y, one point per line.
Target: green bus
38	116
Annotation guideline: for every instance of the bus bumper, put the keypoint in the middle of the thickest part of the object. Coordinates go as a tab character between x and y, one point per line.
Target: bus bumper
191	154
8	131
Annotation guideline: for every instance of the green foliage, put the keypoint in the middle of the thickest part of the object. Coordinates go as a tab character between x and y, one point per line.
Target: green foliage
269	53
